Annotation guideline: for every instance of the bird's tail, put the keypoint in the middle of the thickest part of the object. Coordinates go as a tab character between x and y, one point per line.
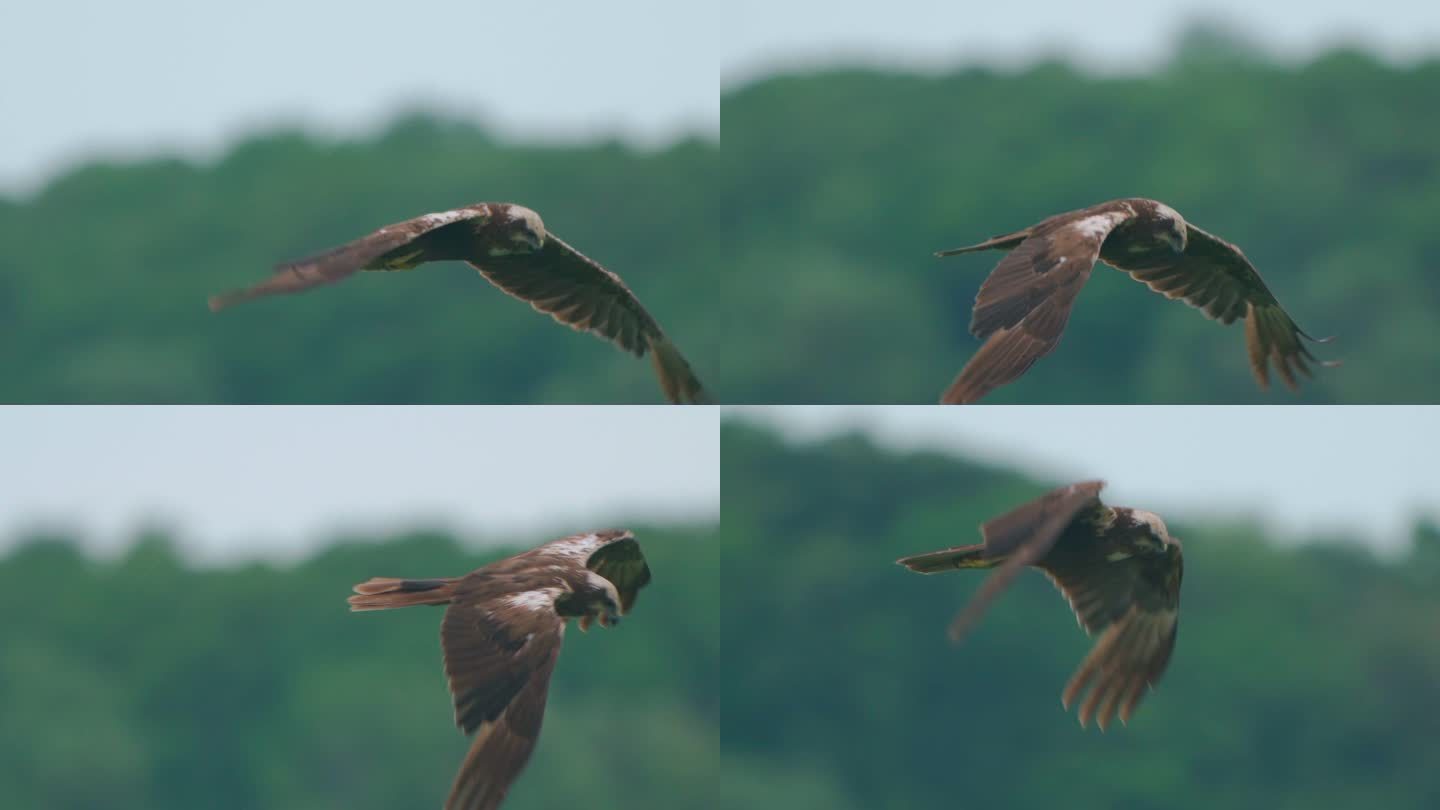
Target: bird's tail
1008	241
677	380
383	593
950	559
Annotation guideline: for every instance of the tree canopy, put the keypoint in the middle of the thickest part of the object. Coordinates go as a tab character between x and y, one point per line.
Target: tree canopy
1304	676
146	682
791	263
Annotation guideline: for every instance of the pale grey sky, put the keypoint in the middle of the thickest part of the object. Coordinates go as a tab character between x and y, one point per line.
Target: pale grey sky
85	77
272	482
91	77
1106	35
1369	471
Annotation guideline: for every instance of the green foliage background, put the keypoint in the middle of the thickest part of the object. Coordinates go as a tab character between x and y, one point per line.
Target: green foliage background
785	663
145	682
791	265
1327	175
1304	677
102	292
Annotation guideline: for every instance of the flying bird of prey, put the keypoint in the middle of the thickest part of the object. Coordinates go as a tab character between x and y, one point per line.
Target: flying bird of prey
510	247
1120	570
501	636
1023	306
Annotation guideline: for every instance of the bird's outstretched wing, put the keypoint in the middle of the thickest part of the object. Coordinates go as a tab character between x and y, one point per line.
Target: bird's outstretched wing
1021	537
1022	308
500	650
1215	277
623	563
426	238
1134	604
576	291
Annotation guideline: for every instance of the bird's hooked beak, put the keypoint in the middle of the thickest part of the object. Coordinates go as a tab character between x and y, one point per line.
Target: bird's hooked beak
609	615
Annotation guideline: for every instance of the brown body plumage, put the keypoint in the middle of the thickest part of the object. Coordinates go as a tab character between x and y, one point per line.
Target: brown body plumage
1120	570
1023	306
501	637
509	246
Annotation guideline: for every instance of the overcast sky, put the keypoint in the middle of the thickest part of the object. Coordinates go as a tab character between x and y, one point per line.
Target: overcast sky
92	77
273	482
1370	471
1106	35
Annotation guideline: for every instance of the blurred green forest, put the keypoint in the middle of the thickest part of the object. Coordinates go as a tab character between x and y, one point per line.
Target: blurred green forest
792	265
1305	676
146	682
103	288
1326	174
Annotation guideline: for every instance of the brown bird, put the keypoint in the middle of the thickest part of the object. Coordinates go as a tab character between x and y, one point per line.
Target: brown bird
1119	568
510	247
501	636
1023	306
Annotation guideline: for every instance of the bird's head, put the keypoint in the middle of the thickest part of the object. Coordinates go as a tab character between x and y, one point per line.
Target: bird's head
603	605
1172	228
1155	529
524	230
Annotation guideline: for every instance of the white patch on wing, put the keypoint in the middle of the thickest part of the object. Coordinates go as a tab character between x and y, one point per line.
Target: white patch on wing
432	221
505	251
579	547
543	599
1098	226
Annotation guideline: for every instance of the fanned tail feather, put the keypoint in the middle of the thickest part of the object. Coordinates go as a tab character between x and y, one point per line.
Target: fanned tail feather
950	559
1008	241
384	593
